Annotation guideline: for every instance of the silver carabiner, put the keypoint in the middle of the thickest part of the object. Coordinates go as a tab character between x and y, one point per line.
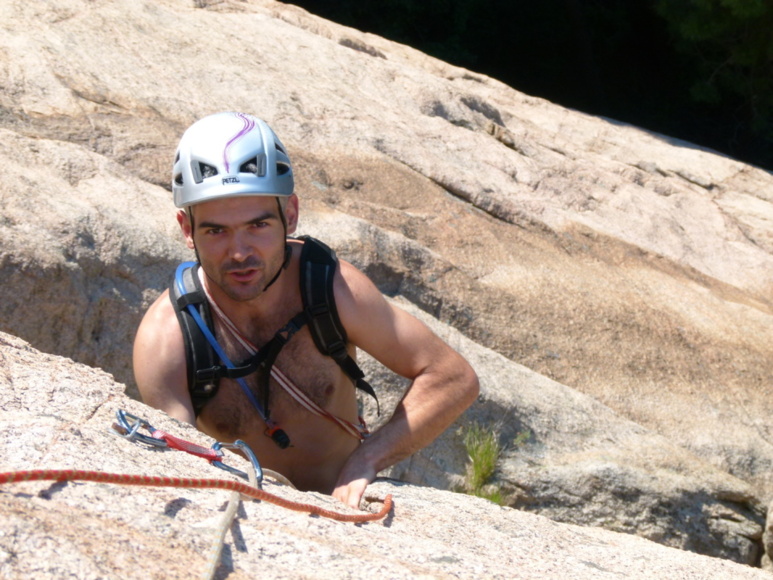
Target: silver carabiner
131	431
244	448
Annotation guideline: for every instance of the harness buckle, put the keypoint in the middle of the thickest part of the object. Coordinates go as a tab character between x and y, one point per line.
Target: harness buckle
338	350
210	375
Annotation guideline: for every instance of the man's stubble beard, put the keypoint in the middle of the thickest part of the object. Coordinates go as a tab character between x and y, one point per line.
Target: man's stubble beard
243	292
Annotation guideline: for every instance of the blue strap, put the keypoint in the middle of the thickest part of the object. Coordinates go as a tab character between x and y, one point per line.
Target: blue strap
212	340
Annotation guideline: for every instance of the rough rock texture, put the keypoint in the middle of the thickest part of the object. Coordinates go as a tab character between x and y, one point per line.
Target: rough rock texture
582	463
612	262
56	414
767	539
85	244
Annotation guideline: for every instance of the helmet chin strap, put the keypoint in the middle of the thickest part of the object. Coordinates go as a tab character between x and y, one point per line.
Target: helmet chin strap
288	256
288	249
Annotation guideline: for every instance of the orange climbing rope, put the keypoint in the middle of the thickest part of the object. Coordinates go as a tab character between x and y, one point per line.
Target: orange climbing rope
195	483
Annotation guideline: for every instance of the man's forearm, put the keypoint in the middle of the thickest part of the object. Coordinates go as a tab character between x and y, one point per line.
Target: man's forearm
427	410
419	419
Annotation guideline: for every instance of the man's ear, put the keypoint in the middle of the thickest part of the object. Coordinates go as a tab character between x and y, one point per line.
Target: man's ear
291	214
187	228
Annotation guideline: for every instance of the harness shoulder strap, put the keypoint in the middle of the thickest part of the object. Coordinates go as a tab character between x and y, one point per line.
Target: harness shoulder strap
199	355
318	268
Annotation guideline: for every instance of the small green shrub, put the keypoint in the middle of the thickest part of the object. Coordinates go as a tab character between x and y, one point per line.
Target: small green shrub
483	449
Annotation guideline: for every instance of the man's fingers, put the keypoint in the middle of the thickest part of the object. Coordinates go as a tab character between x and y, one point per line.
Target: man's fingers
351	493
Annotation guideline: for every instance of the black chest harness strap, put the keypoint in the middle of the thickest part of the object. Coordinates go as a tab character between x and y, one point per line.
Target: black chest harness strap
318	267
207	361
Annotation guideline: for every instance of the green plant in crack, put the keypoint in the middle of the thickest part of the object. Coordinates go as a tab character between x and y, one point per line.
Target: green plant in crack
484	452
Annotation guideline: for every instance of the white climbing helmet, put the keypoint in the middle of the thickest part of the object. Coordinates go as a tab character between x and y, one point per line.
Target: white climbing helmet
230	155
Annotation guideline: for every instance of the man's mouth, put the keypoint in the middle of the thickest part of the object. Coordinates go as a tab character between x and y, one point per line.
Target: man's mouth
243	275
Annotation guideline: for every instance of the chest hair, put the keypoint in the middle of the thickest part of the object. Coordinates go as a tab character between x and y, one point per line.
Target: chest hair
299	360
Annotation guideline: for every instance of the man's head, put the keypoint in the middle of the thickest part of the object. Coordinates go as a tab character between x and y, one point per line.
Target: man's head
232	158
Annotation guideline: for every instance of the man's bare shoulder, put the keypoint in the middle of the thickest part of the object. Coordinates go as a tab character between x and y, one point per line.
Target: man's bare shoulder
353	288
159	360
383	330
159	324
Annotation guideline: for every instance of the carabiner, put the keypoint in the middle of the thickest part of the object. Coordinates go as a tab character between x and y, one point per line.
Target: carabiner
130	431
244	448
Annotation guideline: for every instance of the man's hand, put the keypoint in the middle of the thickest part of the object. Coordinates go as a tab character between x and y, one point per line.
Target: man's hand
352	482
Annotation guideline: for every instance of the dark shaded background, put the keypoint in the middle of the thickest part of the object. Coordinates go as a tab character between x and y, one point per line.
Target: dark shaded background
699	70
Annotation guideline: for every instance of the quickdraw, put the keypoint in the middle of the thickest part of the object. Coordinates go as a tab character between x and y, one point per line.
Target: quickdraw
128	426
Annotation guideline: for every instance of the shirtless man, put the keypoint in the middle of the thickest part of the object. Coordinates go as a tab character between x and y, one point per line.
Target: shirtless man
233	183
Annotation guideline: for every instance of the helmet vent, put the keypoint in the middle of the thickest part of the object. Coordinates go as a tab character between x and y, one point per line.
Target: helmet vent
282	168
207	170
178	179
256	166
250	166
202	170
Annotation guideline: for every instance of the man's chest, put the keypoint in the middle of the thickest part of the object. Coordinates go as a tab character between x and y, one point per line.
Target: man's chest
299	368
308	369
288	355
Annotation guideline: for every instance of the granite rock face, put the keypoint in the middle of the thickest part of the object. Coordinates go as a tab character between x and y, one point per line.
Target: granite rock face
57	414
611	286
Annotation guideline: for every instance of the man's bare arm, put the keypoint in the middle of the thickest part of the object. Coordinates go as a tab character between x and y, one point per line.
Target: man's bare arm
443	383
159	362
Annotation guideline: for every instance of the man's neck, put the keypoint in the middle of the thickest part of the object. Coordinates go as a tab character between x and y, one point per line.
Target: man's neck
257	315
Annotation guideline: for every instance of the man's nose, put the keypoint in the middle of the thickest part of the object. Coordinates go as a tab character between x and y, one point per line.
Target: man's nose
240	249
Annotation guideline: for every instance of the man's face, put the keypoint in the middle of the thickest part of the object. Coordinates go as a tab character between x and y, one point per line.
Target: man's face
240	242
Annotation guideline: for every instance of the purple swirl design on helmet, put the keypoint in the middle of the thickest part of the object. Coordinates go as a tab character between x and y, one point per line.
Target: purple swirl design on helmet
249	125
